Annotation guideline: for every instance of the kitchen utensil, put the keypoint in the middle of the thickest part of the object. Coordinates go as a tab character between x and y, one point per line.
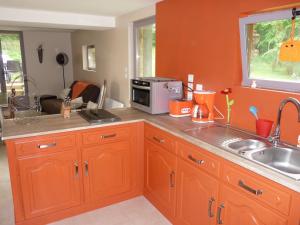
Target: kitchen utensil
253	110
264	127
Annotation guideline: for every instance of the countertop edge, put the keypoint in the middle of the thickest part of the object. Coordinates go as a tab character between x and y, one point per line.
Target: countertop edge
245	163
90	126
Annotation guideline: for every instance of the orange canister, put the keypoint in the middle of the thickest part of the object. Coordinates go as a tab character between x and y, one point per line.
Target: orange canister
180	107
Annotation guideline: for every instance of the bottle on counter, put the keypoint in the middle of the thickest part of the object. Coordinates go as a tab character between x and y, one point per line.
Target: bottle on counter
66	108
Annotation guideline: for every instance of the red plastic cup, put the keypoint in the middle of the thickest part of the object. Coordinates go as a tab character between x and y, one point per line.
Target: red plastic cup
264	127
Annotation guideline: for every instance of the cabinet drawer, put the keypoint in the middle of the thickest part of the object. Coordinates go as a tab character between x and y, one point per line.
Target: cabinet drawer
45	144
199	158
255	187
160	138
105	135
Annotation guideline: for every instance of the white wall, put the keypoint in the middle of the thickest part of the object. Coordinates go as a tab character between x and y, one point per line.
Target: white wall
48	75
112	55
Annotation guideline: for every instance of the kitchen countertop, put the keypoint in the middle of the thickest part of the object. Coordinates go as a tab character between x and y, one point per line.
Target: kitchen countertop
50	124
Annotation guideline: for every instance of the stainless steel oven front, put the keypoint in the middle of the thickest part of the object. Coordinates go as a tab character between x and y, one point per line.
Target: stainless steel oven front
141	95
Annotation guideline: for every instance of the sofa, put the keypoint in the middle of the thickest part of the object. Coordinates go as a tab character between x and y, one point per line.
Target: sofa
51	104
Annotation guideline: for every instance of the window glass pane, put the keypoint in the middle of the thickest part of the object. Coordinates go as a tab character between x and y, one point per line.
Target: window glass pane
263	43
11	61
91	57
146	43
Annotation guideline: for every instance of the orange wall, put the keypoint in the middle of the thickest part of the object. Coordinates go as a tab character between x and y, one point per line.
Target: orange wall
202	37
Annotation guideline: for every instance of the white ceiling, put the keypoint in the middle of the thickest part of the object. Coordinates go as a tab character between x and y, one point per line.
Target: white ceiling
95	7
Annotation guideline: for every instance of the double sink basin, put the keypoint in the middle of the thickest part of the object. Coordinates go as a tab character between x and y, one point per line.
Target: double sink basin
282	158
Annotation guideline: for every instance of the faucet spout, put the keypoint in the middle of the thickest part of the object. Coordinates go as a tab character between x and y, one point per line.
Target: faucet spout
276	135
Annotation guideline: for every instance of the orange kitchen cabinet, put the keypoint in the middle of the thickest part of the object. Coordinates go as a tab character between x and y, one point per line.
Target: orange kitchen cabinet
160	180
50	183
48	176
197	194
107	170
235	208
294	218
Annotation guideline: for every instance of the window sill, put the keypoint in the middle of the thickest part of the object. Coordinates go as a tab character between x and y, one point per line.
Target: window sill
260	89
89	70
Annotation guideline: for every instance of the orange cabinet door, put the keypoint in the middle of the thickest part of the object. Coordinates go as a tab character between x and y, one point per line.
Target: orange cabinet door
107	170
236	208
160	176
197	194
50	182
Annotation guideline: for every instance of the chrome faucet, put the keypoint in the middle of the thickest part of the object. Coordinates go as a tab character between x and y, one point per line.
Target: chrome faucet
275	138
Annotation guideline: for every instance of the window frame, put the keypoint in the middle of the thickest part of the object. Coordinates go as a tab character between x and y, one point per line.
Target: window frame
246	80
136	25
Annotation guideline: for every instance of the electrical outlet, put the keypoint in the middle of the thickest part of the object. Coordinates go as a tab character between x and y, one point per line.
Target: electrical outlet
189	96
191	86
190	78
199	87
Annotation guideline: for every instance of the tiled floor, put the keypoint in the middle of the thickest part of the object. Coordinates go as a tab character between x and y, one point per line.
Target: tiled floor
137	211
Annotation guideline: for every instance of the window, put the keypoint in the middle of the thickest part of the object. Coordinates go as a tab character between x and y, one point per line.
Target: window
261	36
12	63
144	47
89	57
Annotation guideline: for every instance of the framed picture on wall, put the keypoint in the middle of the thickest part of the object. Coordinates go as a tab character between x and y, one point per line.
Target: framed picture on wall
91	57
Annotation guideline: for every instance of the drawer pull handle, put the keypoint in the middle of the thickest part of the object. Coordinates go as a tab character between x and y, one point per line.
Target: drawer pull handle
76	169
47	146
172	179
250	189
159	140
198	161
210	202
107	136
219	214
86	168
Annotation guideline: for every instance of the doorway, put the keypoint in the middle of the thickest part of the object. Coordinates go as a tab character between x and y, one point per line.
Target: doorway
12	64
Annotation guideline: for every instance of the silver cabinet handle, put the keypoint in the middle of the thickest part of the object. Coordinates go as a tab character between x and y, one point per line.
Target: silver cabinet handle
108	136
43	146
172	180
250	189
86	168
76	169
198	161
219	212
159	140
210	202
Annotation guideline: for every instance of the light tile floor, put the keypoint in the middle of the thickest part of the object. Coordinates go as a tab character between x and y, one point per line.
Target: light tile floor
137	211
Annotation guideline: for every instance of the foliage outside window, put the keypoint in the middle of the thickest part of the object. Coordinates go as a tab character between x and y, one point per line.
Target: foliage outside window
145	44
261	38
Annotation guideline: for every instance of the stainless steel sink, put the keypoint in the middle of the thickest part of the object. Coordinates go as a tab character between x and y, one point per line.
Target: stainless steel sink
246	145
286	160
283	158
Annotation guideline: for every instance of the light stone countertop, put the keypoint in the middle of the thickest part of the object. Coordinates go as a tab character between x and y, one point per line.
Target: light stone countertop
50	124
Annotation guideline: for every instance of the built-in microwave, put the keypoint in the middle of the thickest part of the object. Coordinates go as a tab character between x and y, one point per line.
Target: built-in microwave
152	95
